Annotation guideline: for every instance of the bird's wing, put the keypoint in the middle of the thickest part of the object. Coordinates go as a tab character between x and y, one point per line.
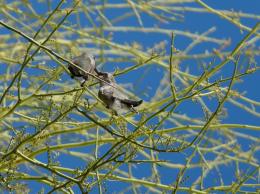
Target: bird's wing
119	95
84	62
88	64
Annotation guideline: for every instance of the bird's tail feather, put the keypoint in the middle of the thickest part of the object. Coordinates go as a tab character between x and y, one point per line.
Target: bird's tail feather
132	103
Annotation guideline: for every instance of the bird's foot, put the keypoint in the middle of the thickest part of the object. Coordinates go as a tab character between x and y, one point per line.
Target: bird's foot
82	84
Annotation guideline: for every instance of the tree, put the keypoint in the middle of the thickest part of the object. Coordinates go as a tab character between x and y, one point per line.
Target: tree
59	136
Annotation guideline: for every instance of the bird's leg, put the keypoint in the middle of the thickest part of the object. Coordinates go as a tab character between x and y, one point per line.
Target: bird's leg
86	104
112	117
134	110
85	77
82	83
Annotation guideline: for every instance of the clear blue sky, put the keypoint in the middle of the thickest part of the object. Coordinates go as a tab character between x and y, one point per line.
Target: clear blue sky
194	23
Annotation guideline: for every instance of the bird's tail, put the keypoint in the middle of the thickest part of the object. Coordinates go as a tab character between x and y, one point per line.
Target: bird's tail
132	103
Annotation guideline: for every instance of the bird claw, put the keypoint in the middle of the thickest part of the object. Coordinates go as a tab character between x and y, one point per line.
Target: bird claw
82	84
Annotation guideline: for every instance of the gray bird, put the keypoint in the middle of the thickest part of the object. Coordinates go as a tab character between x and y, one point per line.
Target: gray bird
87	62
113	98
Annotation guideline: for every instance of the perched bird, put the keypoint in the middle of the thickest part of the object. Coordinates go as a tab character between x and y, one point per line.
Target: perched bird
87	62
113	98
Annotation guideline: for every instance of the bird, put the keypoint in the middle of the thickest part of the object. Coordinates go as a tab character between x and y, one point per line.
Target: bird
86	61
113	98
